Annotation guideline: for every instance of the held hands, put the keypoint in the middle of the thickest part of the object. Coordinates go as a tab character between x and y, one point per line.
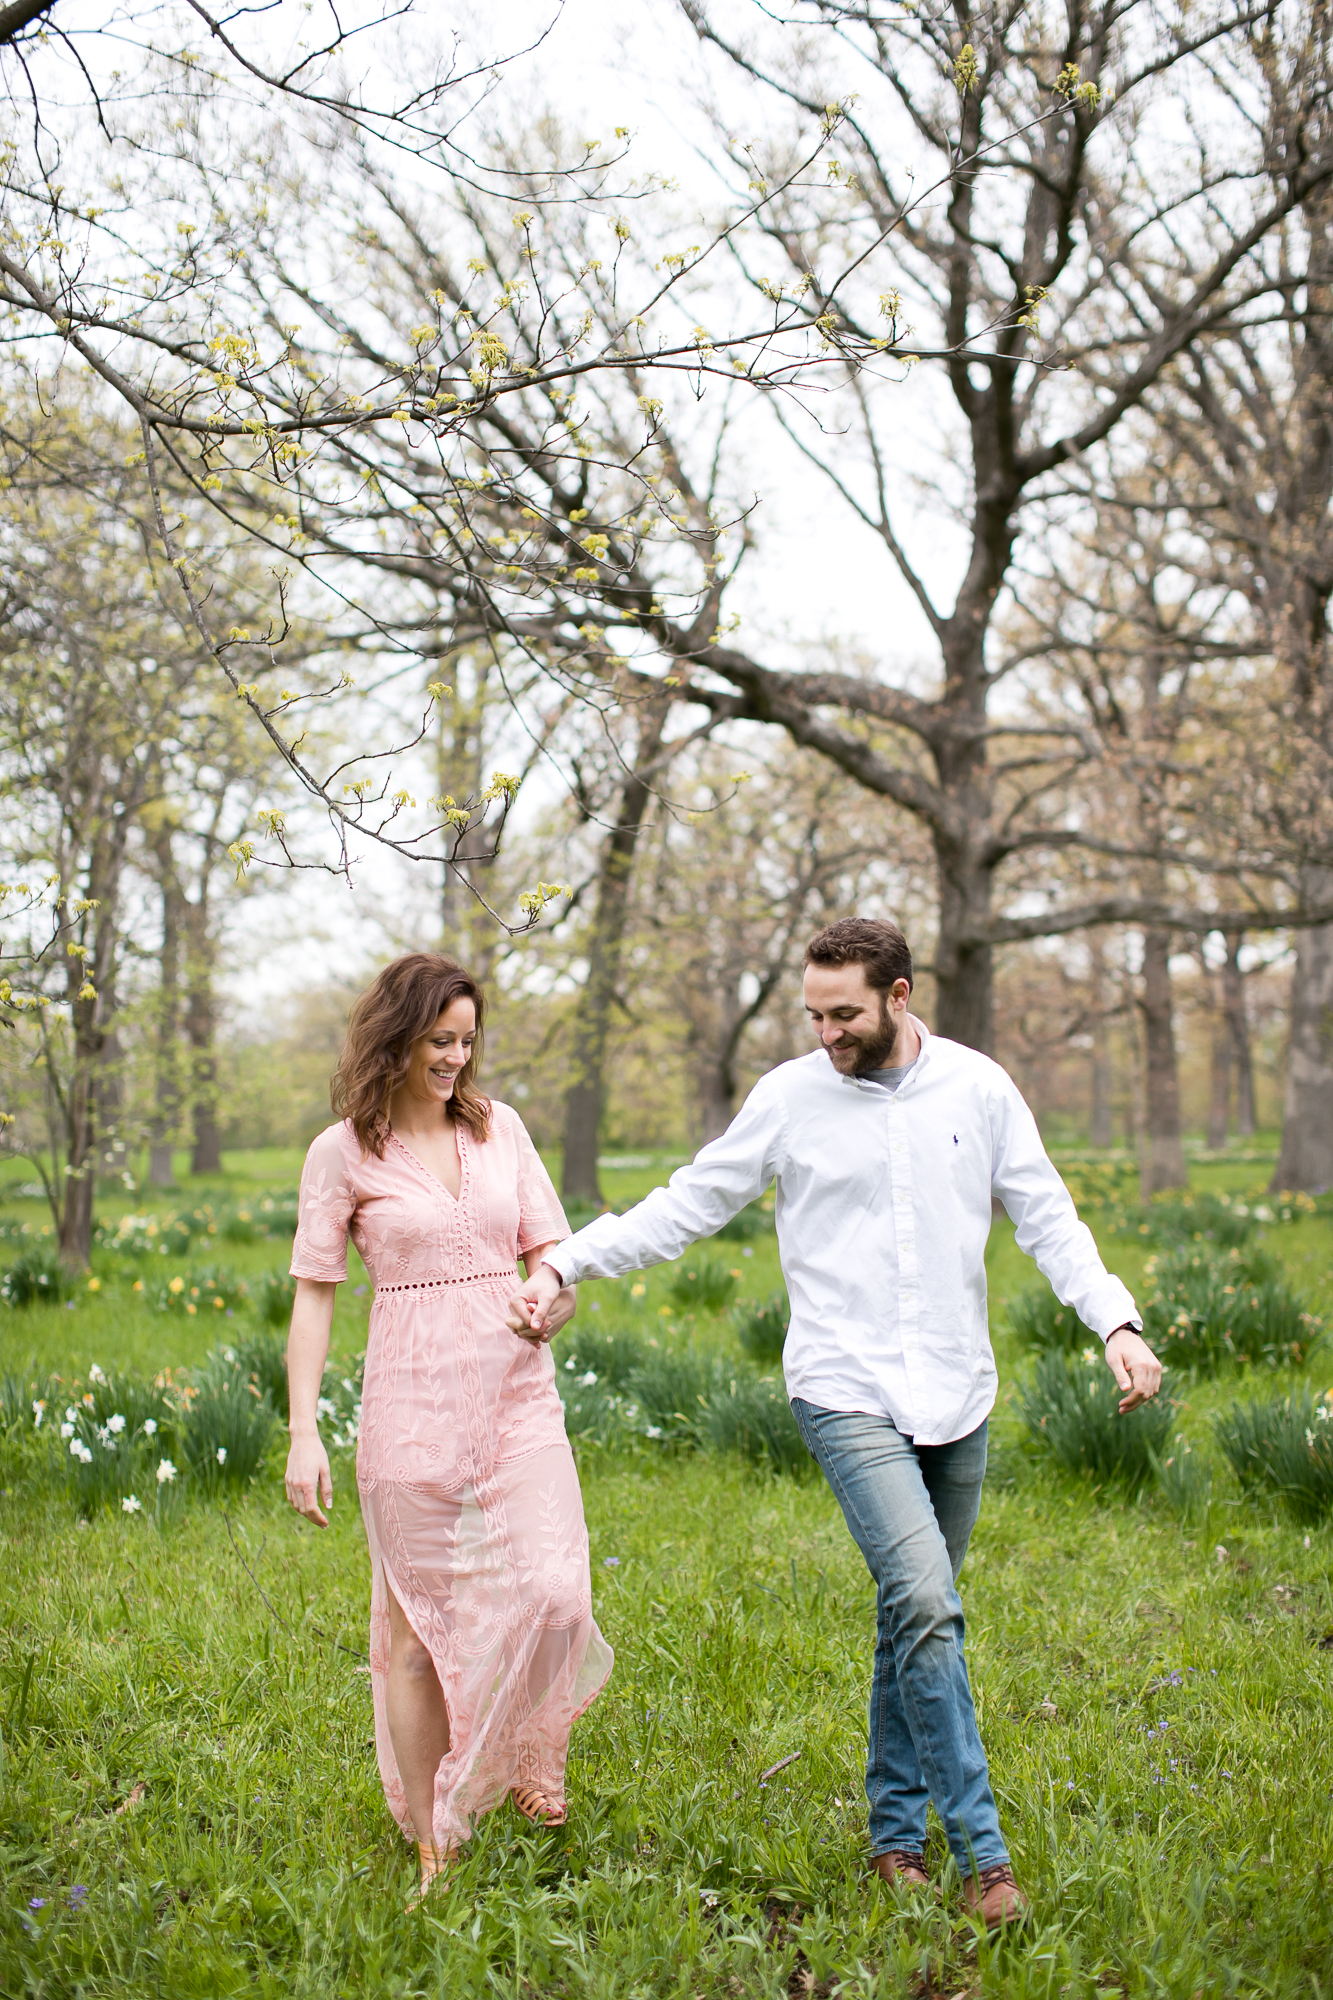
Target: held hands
544	1305
1135	1367
308	1477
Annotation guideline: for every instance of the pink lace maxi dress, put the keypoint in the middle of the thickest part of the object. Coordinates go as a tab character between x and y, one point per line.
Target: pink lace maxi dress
468	1488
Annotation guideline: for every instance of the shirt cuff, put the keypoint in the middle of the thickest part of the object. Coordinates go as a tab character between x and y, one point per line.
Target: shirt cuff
1131	1322
563	1266
1112	1308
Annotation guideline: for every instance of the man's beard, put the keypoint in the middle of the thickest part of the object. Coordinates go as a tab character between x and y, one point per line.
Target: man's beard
868	1053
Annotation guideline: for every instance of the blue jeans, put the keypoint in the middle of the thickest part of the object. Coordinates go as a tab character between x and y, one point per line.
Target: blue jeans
911	1509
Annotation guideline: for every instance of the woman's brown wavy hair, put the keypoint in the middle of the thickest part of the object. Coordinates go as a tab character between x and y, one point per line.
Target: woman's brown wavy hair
405	1001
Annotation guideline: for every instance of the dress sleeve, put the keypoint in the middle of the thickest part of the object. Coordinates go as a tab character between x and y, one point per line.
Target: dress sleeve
324	1214
540	1216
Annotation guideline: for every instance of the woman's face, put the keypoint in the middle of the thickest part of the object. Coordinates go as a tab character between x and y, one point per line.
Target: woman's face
439	1054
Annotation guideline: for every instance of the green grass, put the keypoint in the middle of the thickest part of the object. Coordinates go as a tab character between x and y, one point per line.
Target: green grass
209	1668
1072	1409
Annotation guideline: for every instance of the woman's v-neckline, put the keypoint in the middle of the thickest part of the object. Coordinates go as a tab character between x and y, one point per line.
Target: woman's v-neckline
433	1178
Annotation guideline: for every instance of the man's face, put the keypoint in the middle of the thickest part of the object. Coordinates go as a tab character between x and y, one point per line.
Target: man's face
859	1027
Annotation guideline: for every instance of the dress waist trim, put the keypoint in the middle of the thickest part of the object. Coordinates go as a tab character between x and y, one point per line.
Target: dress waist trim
435	1284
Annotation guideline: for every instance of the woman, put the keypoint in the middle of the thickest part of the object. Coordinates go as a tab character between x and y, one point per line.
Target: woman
483	1648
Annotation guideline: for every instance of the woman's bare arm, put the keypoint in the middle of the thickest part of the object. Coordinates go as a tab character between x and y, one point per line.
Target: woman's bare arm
309	1479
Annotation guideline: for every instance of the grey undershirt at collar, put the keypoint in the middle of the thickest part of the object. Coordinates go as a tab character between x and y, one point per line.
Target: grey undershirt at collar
890	1078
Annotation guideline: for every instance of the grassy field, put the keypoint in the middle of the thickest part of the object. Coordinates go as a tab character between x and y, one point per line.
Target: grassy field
191	1804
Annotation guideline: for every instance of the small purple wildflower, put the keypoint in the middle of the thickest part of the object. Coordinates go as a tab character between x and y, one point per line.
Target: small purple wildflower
611	1562
78	1896
37	1903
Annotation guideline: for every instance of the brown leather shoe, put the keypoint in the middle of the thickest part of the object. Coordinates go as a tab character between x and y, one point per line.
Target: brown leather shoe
996	1897
902	1868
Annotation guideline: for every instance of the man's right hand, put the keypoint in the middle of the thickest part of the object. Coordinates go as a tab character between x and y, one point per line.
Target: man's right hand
1135	1367
309	1479
530	1310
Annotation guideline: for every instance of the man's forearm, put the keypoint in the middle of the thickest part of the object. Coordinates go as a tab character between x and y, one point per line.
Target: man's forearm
695	1203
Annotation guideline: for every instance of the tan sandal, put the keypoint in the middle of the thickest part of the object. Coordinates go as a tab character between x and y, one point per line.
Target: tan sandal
435	1862
539	1806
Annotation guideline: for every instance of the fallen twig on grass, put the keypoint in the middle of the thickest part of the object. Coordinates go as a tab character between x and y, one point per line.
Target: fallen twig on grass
781	1765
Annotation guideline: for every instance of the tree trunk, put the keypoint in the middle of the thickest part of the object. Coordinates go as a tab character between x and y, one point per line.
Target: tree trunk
964	968
206	1152
112	1160
717	1100
1164	1156
90	983
109	1086
80	1097
586	1097
1233	1003
715	1070
1306	1159
460	753
167	1083
1219	1070
200	1029
76	1218
1101	1133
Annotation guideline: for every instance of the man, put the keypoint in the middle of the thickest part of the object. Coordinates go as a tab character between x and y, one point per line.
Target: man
887	1144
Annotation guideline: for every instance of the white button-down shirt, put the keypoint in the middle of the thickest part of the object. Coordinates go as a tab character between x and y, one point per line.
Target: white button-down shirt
883	1208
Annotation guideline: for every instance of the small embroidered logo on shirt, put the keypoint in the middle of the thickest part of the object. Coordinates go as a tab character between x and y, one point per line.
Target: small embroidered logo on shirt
955	1138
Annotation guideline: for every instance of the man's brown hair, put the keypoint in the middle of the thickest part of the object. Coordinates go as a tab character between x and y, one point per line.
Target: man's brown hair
404	1003
872	942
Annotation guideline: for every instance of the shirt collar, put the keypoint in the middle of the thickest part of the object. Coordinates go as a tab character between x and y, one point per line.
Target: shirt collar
860	1083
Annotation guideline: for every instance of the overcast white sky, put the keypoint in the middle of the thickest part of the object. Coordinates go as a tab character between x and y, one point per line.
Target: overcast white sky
813	577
